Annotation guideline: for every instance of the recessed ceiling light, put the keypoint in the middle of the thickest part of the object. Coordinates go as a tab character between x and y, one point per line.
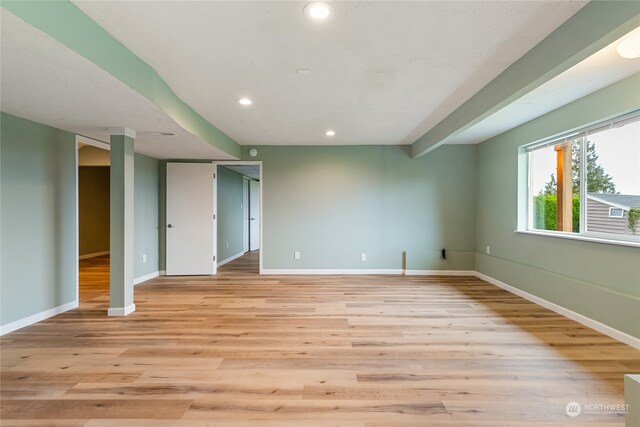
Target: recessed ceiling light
629	47
330	132
245	101
318	11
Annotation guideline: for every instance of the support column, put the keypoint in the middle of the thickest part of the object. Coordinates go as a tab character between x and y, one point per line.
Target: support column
121	229
565	188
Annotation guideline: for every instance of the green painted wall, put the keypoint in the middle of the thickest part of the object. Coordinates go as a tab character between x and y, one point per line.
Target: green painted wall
93	209
146	220
229	213
600	281
37	218
334	203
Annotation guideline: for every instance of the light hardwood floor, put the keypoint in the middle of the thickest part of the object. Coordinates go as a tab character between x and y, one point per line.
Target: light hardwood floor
241	349
249	263
94	277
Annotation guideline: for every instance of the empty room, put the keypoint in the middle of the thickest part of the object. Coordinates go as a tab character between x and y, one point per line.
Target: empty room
340	213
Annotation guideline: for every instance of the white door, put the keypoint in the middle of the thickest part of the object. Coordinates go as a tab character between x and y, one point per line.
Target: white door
245	214
190	221
254	215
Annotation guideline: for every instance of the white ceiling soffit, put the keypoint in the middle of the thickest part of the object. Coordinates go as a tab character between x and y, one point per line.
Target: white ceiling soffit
381	72
44	81
251	171
596	72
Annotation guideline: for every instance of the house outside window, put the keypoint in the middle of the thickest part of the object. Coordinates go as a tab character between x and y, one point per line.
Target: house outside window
586	183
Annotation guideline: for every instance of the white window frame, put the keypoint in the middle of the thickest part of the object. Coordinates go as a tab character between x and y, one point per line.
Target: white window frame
616	216
526	167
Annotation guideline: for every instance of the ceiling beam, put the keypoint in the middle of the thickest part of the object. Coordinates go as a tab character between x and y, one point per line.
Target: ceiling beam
592	28
67	24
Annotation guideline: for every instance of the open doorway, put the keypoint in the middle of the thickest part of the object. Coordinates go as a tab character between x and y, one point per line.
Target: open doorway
239	218
93	200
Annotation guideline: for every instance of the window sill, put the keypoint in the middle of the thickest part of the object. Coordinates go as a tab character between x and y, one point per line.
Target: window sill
582	238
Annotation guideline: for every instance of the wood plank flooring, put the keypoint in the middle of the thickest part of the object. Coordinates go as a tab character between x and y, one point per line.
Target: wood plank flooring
246	264
94	277
240	349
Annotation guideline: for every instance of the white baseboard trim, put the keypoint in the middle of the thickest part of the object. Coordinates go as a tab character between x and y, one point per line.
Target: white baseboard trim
118	311
329	271
38	317
162	272
587	321
231	258
440	273
93	255
371	271
146	277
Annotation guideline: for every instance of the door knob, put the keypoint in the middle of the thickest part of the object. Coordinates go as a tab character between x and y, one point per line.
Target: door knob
169	226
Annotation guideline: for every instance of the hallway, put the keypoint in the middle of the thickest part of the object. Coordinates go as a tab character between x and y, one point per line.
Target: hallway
249	263
94	277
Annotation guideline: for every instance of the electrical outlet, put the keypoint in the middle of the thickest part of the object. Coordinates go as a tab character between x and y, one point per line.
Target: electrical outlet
488	250
227	245
144	257
363	257
296	255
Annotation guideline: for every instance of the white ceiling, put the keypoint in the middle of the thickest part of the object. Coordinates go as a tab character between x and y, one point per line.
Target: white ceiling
370	89
382	72
251	171
46	82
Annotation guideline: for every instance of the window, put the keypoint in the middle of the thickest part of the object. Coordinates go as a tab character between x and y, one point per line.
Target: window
587	182
616	213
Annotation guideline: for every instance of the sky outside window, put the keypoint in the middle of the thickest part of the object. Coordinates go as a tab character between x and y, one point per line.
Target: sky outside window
618	151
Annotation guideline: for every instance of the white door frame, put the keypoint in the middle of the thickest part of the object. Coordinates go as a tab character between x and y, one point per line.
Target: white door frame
80	139
243	163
